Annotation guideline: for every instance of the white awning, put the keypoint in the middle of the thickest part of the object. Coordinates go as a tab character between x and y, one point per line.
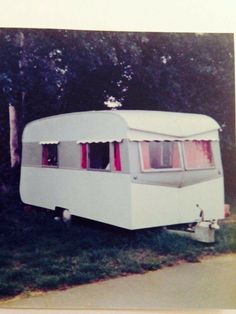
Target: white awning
48	142
98	140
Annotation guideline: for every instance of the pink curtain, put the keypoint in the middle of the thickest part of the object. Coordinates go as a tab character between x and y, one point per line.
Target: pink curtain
206	146
145	155
83	156
117	160
175	156
198	154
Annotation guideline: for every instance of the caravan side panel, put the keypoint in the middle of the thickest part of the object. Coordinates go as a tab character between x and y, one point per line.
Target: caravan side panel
155	205
100	196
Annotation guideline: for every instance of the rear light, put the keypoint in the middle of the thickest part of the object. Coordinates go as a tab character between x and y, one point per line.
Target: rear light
227	212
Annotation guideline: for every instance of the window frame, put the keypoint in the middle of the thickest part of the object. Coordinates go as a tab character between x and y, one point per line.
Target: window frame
201	168
112	167
181	168
88	168
88	158
45	145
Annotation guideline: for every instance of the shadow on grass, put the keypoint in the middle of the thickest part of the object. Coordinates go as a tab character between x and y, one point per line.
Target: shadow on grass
38	253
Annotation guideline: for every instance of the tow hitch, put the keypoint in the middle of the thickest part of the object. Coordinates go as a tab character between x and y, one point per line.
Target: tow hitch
202	230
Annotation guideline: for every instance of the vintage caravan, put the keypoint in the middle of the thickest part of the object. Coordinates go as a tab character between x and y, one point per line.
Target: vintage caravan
129	168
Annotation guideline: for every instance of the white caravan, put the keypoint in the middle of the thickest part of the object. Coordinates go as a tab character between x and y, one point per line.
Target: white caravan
129	168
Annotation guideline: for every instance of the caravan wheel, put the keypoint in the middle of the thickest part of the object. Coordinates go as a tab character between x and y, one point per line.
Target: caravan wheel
62	214
66	216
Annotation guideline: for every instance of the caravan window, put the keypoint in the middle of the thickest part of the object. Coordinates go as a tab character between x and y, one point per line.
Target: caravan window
198	155
50	155
160	155
98	156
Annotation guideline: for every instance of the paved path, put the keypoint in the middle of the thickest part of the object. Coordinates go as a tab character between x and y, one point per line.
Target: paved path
209	284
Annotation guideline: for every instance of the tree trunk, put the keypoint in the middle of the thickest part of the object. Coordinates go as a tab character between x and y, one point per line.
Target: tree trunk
14	138
13	118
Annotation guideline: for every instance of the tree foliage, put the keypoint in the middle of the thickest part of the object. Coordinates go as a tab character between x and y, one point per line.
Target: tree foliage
46	72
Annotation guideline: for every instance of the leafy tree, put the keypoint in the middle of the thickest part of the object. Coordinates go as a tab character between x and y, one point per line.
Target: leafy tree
46	72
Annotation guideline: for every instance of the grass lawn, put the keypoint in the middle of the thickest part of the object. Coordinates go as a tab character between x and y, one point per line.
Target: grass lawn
39	253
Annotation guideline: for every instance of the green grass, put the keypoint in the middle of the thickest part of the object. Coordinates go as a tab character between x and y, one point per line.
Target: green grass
38	253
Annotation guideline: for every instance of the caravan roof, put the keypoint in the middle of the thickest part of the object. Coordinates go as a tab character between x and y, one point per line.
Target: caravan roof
116	125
